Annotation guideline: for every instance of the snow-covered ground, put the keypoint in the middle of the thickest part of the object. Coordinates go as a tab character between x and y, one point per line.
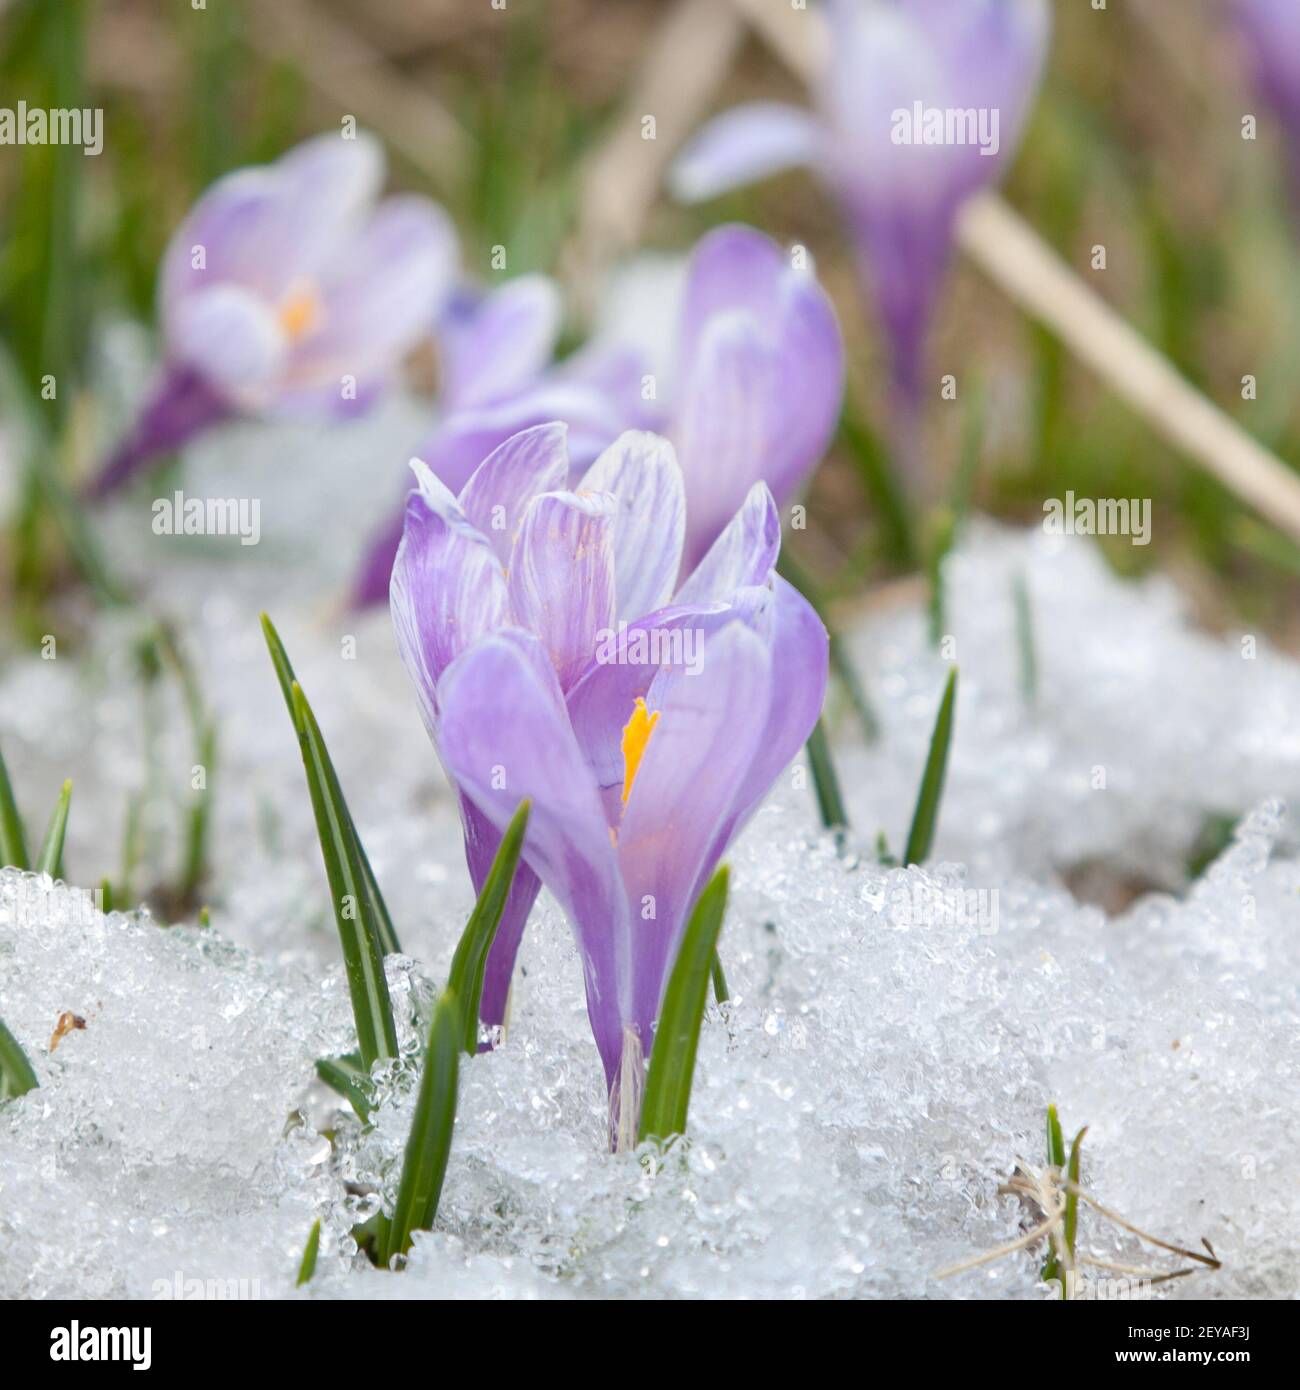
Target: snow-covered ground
885	1059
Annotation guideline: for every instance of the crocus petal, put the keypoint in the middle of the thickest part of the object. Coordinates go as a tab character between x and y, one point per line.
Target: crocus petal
379	294
622	670
561	576
498	495
720	427
229	337
742	145
744	554
696	758
447	589
497	345
466	438
1272	31
641	471
799	645
763	370
504	736
803	414
732	269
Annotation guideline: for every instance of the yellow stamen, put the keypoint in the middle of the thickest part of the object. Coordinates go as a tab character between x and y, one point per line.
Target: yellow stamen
636	734
299	311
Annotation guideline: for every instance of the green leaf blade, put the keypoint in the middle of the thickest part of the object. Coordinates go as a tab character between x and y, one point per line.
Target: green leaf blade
13	840
349	1078
1025	646
925	818
378	907
428	1146
470	961
667	1098
1055	1159
362	957
826	783
308	1266
1071	1198
50	859
16	1074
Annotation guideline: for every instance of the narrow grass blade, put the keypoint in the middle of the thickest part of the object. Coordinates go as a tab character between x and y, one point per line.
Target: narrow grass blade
926	816
50	859
1072	1198
200	816
1025	640
308	1266
1055	1140
1214	836
470	960
105	896
672	1058
840	662
720	991
943	532
826	785
378	908
350	1079
362	956
1055	1159
882	489
424	1164
13	841
16	1074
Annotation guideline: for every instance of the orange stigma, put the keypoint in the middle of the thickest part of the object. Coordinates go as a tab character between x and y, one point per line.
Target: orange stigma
299	311
636	734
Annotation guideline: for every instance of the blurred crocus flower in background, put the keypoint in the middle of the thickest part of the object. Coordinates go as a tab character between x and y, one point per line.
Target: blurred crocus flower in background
756	381
498	378
556	657
289	290
921	103
1272	29
751	392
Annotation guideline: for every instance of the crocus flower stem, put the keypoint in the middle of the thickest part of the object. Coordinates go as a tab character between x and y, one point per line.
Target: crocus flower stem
180	406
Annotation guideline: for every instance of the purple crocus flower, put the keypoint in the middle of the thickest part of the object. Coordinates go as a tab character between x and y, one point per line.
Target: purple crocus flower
550	663
1272	29
921	104
287	290
752	393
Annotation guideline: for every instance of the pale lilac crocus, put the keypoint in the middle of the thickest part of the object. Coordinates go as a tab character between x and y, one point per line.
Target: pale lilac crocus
289	290
538	627
752	391
498	377
886	62
1272	29
755	385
